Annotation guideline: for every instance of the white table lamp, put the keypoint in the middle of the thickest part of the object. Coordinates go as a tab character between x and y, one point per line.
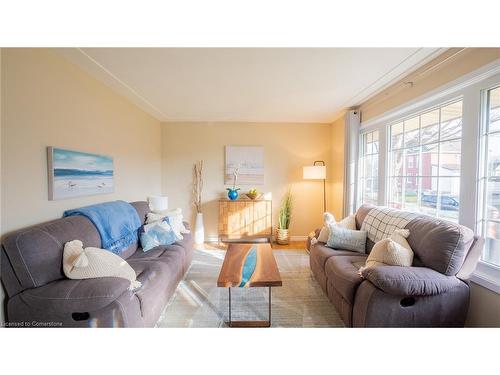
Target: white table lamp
158	203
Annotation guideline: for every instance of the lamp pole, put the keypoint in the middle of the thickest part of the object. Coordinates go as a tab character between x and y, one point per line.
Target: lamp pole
321	162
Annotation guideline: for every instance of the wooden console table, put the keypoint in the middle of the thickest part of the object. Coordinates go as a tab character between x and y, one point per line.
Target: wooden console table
245	220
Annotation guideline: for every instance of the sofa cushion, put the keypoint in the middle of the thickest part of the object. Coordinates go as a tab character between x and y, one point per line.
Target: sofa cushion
36	253
409	281
342	274
320	253
159	279
76	295
439	244
361	214
142	209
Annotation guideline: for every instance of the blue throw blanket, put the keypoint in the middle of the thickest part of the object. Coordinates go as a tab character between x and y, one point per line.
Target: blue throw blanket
117	223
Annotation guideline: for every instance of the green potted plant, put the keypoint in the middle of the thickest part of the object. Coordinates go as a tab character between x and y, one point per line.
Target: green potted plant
285	214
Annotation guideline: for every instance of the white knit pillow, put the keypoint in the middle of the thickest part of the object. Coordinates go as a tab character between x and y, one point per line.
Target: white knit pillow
392	251
92	262
328	218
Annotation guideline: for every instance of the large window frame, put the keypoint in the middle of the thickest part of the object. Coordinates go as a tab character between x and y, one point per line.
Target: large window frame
369	151
471	89
420	150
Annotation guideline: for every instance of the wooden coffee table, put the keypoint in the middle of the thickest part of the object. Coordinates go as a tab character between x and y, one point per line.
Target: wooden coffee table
249	266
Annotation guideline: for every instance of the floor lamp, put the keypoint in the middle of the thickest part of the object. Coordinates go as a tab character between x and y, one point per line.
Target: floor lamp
317	171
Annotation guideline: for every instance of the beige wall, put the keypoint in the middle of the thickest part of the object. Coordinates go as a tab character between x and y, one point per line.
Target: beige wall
484	310
447	67
337	167
47	101
485	304
287	147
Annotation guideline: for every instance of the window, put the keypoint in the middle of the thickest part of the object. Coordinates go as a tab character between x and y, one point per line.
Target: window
489	224
368	168
424	162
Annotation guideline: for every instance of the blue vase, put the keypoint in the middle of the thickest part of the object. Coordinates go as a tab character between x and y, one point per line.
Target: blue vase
232	193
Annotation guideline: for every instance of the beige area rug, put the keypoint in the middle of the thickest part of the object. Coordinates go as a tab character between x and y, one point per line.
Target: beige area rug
300	302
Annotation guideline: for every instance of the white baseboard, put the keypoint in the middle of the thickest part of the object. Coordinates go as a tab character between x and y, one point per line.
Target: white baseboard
298	238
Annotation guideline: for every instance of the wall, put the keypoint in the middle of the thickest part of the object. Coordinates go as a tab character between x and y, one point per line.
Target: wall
337	167
287	147
485	304
445	68
47	101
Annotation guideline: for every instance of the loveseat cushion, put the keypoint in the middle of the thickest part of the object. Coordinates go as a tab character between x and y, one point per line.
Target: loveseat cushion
68	296
409	281
321	253
342	274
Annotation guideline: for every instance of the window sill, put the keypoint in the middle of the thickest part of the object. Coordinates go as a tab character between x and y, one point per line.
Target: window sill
488	276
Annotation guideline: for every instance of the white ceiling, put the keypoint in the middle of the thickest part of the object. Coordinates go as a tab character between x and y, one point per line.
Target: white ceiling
248	84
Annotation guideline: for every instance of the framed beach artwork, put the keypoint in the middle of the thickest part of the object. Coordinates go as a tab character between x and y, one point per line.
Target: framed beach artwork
77	174
249	160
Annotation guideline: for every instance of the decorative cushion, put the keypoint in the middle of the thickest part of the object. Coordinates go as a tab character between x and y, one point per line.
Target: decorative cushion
349	223
175	220
323	234
92	262
157	233
346	239
392	251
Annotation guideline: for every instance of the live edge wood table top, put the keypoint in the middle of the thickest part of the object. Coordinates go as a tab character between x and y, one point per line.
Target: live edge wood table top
249	265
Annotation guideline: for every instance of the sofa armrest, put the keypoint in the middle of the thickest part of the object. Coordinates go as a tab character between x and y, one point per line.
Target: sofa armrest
310	237
409	281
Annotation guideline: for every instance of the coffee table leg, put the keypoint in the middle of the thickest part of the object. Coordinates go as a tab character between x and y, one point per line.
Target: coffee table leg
269	306
249	323
229	306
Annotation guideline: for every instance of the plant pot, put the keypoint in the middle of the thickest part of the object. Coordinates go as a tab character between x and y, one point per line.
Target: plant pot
199	230
282	236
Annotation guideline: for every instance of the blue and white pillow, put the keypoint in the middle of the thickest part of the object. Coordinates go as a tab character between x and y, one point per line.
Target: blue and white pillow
346	239
156	234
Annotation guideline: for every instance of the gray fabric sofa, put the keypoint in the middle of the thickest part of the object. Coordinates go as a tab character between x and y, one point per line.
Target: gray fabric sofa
39	294
434	292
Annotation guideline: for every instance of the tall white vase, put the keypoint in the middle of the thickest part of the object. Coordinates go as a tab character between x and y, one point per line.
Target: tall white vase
199	231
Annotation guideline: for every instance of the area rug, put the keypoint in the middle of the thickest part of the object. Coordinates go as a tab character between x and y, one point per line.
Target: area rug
300	302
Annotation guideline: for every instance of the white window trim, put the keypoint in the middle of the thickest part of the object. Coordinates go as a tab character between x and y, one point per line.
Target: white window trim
487	275
469	87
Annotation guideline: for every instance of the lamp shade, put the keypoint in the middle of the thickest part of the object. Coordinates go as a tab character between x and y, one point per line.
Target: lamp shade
314	172
158	203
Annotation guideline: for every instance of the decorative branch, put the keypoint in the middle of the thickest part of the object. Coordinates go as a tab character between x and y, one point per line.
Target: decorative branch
197	185
235	175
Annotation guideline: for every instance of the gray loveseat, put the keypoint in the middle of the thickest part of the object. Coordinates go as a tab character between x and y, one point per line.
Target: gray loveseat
38	293
434	292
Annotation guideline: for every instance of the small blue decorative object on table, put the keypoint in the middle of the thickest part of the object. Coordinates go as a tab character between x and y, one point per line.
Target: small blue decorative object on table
232	193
